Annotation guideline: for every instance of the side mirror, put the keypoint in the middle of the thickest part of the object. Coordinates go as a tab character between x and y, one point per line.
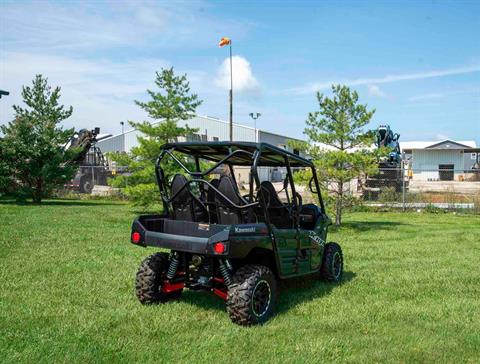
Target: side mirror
311	186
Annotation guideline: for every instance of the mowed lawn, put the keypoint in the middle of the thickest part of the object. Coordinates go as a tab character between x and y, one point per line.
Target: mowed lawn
411	293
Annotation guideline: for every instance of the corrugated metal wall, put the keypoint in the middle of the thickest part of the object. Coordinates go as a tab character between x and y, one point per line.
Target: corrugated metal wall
208	128
426	161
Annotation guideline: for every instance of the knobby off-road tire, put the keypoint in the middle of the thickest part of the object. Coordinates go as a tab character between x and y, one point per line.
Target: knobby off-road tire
251	297
332	263
150	276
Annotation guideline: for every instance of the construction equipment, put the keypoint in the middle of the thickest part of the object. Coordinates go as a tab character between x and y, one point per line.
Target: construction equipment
93	167
390	174
386	138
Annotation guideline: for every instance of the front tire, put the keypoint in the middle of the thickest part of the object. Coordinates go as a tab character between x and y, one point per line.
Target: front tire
332	263
251	297
149	280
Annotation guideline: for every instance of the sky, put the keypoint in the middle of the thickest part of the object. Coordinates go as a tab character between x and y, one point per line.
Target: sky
417	63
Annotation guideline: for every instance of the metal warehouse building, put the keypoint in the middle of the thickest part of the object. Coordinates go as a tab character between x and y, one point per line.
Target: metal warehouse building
209	129
445	160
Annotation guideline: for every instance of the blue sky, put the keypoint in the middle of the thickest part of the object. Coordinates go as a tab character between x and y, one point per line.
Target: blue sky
416	63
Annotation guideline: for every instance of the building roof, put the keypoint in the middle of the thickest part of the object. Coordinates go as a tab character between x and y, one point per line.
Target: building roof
439	144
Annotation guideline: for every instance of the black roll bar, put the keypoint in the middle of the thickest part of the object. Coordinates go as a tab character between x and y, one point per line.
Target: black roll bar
197	177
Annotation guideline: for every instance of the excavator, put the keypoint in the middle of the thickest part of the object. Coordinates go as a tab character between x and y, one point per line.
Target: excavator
386	138
390	167
93	167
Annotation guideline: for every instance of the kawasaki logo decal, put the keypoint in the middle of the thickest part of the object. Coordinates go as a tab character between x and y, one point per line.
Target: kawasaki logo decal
245	229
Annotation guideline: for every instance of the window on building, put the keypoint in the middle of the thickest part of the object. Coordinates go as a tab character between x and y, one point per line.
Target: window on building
473	156
215	139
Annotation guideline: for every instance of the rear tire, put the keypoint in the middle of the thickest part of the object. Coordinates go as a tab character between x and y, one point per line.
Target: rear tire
251	297
86	184
149	280
332	263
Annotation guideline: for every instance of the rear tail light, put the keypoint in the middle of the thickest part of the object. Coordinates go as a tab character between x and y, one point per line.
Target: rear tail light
136	237
219	248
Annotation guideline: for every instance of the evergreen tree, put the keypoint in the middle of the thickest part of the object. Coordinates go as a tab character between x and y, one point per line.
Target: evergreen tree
338	142
34	160
173	102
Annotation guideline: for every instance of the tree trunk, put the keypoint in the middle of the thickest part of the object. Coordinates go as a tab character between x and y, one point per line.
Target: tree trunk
338	205
37	191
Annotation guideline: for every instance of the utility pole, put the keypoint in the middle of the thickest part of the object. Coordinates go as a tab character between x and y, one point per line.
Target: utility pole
255	116
231	94
223	42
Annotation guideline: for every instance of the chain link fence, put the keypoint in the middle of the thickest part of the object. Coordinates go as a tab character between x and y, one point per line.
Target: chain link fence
394	188
404	189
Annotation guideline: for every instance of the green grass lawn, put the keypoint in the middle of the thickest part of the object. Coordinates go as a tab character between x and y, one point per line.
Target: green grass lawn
411	293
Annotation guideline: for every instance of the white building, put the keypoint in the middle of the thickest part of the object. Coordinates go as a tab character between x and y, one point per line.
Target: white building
209	129
445	160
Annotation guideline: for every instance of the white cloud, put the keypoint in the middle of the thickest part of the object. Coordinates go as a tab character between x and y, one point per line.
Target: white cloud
243	78
104	54
442	137
374	90
101	92
426	97
386	79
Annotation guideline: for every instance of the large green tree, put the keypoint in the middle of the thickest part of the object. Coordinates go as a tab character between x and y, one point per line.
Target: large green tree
34	160
171	103
339	142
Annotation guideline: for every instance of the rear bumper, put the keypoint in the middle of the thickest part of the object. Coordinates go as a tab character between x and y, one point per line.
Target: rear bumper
191	237
190	244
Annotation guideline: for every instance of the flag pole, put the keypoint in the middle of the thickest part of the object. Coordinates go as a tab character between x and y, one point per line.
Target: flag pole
231	94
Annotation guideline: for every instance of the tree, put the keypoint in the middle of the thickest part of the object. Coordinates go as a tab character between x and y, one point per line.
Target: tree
34	160
339	144
172	103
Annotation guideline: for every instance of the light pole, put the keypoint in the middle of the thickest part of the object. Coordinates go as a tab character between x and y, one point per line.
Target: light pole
122	124
255	116
223	42
4	93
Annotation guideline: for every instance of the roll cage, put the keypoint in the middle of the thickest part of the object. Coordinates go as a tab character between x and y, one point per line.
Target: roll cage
233	154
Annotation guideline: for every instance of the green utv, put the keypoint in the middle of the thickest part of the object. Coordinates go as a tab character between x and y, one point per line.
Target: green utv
232	245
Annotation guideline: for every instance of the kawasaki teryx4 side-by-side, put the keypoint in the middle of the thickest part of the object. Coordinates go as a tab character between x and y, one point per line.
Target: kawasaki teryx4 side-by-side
235	245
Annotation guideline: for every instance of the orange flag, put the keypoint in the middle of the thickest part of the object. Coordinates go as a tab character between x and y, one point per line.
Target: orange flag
224	41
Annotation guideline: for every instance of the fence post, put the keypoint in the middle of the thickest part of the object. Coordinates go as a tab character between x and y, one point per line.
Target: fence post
403	184
93	177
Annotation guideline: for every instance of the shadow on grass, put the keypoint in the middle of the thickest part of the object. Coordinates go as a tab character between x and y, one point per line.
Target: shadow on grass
290	293
61	202
368	225
299	290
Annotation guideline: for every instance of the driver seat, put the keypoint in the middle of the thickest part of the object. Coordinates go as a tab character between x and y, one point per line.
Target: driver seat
278	212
